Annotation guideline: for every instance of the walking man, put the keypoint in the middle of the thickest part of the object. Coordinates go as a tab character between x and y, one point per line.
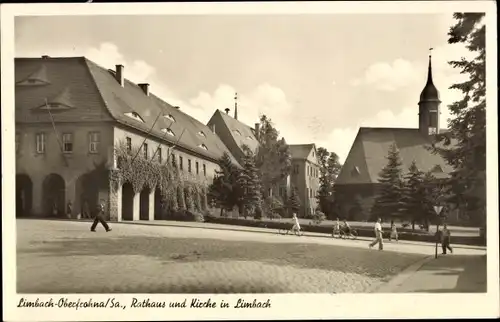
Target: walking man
99	218
378	236
445	242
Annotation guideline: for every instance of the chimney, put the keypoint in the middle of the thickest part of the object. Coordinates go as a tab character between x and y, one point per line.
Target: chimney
45	57
119	75
257	130
145	88
227	110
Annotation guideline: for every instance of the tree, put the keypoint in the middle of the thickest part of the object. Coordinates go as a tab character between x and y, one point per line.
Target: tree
249	182
388	201
418	196
225	191
293	202
273	158
329	170
464	145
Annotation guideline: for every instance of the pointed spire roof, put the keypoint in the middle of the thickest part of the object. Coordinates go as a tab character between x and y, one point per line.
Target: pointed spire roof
235	106
430	92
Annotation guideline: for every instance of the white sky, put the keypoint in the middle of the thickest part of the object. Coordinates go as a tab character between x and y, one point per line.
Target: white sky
319	77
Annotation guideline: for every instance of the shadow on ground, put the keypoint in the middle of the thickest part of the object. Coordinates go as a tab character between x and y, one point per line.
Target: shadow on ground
366	262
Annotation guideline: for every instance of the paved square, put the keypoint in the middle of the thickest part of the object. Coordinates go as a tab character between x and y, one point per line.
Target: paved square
65	257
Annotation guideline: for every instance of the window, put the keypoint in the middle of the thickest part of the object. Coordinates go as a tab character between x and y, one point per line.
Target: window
135	116
17	142
203	146
202	134
129	144
159	154
296	169
205	170
145	150
181	163
168	131
197	168
189	165
174	164
67	139
169	117
40	143
250	138
94	140
237	132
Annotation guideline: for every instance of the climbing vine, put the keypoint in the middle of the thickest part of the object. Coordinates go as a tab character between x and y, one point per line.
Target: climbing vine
176	187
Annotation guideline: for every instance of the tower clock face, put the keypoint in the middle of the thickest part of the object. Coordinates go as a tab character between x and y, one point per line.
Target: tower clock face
432	130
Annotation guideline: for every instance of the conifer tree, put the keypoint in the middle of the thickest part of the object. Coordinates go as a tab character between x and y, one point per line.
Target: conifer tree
224	191
249	182
388	202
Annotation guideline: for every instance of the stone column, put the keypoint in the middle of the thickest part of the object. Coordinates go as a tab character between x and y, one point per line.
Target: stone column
136	214
37	196
115	203
151	205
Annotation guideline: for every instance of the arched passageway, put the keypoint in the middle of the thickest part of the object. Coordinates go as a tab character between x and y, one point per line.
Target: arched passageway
24	195
144	204
87	195
54	194
127	202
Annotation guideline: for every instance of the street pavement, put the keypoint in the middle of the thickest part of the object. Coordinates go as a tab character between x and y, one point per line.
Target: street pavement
65	257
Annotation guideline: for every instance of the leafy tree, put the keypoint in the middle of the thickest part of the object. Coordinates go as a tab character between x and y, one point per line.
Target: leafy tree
249	182
464	145
329	170
293	202
273	205
273	158
388	201
225	191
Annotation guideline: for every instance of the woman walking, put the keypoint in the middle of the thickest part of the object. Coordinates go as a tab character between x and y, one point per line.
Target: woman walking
445	242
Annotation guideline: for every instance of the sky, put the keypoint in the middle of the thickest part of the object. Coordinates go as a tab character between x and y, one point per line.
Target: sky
318	77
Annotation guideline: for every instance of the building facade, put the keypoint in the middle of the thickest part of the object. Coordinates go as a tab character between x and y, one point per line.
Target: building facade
71	115
305	176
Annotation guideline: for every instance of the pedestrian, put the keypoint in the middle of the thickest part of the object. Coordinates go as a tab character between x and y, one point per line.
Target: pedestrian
445	241
99	218
69	209
394	232
296	224
346	229
54	209
378	236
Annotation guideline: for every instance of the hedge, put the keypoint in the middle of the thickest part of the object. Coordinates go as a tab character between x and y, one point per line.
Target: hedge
362	232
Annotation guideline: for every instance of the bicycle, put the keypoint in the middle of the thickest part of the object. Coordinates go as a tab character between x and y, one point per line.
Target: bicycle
352	234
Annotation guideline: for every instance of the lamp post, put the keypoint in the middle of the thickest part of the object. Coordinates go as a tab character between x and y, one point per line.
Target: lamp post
438	210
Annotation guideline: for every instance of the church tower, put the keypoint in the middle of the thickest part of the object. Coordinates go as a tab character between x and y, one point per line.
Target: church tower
428	106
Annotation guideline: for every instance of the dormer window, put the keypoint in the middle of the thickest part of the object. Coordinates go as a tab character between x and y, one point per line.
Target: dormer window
54	106
169	117
355	171
202	134
168	131
250	138
203	146
437	168
135	116
237	132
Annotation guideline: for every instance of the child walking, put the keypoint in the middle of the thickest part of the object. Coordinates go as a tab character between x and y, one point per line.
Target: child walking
394	232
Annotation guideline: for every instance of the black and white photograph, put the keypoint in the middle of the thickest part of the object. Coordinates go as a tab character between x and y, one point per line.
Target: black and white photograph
180	155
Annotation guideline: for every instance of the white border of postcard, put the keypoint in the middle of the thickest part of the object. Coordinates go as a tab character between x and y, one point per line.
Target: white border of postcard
284	306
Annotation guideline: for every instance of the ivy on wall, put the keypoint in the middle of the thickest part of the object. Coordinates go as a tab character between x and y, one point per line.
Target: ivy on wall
179	190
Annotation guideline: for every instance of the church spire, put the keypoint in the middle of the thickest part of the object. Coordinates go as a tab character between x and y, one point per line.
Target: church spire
429	69
428	114
430	92
235	106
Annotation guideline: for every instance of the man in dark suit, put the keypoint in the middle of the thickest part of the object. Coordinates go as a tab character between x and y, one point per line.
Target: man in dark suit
99	218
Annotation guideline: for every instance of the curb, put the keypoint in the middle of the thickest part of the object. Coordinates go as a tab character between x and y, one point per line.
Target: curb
393	284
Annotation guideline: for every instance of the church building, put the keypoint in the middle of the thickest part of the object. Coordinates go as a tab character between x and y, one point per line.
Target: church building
357	182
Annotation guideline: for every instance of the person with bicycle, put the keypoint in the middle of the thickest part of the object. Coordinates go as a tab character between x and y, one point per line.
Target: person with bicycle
346	229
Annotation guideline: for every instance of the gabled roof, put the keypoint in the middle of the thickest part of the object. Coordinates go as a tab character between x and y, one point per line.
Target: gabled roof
301	151
368	154
239	133
97	96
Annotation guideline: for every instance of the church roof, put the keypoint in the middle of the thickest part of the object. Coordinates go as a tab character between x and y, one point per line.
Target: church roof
368	154
96	96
